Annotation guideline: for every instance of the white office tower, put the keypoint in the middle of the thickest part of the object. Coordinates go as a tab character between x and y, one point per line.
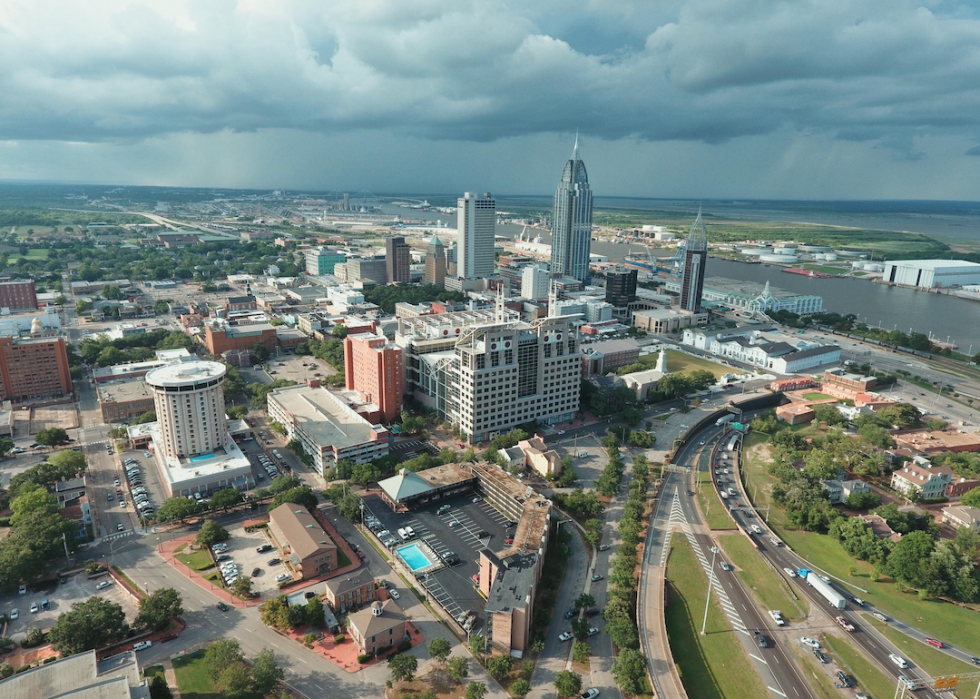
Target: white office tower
190	407
571	229
534	283
476	226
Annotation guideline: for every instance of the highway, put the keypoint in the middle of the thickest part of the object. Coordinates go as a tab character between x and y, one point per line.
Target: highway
775	665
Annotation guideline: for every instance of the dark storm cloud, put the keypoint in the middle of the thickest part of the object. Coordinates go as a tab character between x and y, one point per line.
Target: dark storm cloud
709	70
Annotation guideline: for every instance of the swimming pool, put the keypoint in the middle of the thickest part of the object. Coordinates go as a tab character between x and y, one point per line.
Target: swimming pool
202	457
414	558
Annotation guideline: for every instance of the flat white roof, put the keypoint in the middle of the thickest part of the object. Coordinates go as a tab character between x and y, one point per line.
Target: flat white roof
229	463
324	417
185	374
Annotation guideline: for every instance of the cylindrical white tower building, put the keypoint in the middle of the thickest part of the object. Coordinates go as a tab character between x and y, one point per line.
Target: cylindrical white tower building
190	407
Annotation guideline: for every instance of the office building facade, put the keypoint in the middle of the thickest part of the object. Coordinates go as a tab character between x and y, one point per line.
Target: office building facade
18	295
34	369
571	231
321	261
695	257
621	287
475	227
373	368
534	283
190	408
398	260
435	263
367	269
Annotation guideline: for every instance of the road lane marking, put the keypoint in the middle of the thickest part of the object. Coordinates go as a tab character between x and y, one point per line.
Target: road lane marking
772	689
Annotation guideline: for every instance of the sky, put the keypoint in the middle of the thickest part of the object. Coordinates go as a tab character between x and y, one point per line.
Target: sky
802	99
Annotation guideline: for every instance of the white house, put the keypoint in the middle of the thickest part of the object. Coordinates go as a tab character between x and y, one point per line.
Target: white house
928	480
960	516
763	347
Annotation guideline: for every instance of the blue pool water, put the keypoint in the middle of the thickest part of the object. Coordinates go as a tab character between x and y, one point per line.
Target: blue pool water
202	457
414	557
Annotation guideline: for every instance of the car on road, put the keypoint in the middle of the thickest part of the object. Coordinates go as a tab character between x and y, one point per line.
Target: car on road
168	637
975	661
593	631
604	547
725	566
142	645
596	578
35	608
104	584
14	614
934	642
360	554
566	636
761	640
790	572
571	613
898	660
590	693
222	606
701	442
393	593
812	642
909	684
120	527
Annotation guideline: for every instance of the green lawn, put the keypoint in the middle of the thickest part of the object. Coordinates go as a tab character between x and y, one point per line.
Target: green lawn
873	681
769	586
342	559
150	672
714	510
678	362
714	666
954	624
817	396
215	578
198	560
933	662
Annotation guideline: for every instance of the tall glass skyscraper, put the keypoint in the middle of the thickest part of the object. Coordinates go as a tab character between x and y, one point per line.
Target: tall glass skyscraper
695	256
571	228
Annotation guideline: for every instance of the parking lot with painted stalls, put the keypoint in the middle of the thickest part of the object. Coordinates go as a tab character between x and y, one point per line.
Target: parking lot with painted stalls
469	525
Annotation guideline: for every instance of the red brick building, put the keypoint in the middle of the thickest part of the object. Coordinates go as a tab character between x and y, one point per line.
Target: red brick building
221	337
18	295
960	487
33	369
374	369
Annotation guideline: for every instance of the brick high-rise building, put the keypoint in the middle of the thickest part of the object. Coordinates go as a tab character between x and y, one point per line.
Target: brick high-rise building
435	263
374	368
398	260
33	369
18	295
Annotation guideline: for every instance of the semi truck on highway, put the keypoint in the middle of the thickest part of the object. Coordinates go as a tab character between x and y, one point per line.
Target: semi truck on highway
825	589
733	442
725	420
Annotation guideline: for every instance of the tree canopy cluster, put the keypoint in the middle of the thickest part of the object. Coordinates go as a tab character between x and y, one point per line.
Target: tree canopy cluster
234	677
388	296
103	351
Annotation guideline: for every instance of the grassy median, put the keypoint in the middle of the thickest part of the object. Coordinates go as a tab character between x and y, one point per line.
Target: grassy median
714	666
767	584
713	509
873	681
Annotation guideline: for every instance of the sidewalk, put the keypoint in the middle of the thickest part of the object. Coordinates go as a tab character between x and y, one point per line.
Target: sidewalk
167	551
171	677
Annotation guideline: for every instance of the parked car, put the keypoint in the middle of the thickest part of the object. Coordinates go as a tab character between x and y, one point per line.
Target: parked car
256	572
168	637
590	693
813	643
596	577
14	614
282	577
593	631
566	636
103	585
142	645
393	593
34	608
603	547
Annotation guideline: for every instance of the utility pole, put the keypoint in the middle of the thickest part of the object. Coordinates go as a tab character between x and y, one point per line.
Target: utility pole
711	579
65	542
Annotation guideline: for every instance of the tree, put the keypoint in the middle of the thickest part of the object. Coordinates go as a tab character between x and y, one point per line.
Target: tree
178	508
907	557
157	610
904	415
243	586
339	331
314	612
584	601
623	632
581	652
476	690
220	655
211	533
629	671
68	459
234	681
51	436
403	667
6	444
568	683
237	412
145	418
439	649
458	668
971	498
275	613
91	624
498	666
265	673
159	688
520	689
863	501
6	670
225	498
260	352
299	496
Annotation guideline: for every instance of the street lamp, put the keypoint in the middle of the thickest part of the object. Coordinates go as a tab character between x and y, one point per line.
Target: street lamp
711	579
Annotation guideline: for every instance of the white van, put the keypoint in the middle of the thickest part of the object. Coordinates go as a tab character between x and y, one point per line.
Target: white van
403	534
410	532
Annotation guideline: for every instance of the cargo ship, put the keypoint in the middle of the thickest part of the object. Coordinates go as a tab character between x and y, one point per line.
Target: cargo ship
807	273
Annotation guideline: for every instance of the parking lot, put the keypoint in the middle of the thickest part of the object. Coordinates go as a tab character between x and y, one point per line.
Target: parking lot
60	599
467	528
147	480
412	448
242	547
589	458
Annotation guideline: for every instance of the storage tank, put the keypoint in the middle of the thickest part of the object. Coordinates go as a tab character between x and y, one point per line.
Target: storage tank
781	259
814	248
830	257
851	253
784	250
873	267
754	252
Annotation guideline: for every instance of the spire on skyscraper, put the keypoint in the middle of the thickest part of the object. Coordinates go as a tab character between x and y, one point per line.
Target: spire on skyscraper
697	239
575	148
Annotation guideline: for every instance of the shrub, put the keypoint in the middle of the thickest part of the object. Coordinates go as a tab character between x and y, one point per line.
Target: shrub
404	646
92	568
367	657
339	638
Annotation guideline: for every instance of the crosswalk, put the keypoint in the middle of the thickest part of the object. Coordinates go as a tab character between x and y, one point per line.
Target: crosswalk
118	535
677	517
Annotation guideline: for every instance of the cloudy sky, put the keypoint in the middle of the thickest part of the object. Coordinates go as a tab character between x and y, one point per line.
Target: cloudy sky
704	98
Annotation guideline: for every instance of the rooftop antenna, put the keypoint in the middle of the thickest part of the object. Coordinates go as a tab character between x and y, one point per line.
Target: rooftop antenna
575	148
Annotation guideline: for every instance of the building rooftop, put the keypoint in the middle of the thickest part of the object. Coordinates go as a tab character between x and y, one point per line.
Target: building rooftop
932	264
610	346
185	373
125	390
369	625
922	474
79	677
938	440
305	534
404	484
229	461
963	513
324	417
514	584
342	584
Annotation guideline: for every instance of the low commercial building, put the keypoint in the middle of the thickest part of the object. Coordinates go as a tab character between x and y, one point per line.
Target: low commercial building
601	357
377	628
793	384
351	591
326	426
123	400
935	441
642	383
301	541
932	274
80	676
221	335
18	295
510	603
241	303
545	462
854	382
763	347
960	487
925	479
667	320
134	370
407	490
795	413
961	517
